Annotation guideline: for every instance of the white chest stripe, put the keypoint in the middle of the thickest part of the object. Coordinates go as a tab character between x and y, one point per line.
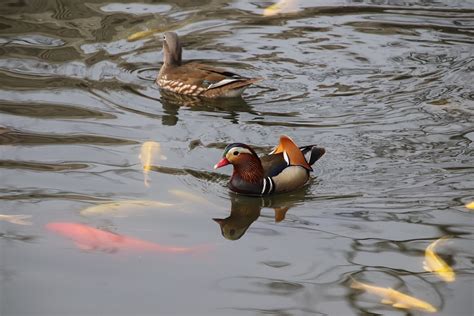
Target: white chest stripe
222	83
271	185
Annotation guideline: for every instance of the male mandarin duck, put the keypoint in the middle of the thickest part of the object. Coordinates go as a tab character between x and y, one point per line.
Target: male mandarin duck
196	79
283	170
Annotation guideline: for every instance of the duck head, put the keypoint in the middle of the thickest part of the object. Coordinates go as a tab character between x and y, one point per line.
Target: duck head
171	49
246	163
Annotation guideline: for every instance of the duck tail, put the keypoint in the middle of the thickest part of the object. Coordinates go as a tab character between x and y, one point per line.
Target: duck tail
229	87
316	153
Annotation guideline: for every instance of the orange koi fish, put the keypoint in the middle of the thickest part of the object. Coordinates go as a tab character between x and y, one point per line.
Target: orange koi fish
90	238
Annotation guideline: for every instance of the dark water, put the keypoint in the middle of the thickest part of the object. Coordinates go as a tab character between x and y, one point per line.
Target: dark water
385	86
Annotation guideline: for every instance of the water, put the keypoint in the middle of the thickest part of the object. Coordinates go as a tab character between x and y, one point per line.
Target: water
384	86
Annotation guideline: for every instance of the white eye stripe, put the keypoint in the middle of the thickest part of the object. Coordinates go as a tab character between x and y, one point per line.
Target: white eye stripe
264	186
241	150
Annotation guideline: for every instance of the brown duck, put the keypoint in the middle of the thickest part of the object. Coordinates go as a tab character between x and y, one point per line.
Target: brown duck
283	170
196	79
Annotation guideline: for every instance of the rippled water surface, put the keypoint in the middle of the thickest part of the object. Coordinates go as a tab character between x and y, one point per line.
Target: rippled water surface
385	86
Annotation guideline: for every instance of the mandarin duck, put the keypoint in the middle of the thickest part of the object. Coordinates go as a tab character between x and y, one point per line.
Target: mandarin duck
196	79
283	170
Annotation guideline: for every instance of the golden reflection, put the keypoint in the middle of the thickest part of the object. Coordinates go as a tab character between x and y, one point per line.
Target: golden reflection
470	205
246	209
16	219
434	263
395	298
148	153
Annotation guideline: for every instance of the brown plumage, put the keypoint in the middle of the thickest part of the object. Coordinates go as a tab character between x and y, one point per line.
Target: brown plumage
196	79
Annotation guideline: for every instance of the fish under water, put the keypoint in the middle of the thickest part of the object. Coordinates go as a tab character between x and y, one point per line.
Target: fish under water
188	196
92	239
395	298
123	208
16	219
281	7
141	34
148	153
435	264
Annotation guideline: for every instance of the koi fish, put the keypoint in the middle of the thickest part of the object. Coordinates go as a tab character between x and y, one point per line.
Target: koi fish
139	35
394	298
90	238
434	263
16	219
470	205
189	196
122	208
148	151
282	6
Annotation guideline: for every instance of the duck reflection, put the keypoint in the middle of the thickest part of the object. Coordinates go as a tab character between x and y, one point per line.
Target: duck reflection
171	103
246	209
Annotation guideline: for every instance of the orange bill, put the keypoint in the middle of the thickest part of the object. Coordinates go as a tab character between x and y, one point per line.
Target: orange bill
295	156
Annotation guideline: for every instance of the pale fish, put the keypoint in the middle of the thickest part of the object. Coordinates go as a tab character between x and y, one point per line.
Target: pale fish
139	35
188	196
123	208
92	239
16	219
434	263
470	205
394	298
281	7
148	152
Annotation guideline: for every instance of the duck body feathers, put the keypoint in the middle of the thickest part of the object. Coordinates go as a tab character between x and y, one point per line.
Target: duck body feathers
196	79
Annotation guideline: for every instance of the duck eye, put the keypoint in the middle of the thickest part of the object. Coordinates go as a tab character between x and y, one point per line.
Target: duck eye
236	153
164	37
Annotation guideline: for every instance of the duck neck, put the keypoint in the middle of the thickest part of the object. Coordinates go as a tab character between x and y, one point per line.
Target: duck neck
249	170
172	56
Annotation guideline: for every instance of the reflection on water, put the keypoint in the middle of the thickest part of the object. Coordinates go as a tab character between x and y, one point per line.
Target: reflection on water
246	209
385	86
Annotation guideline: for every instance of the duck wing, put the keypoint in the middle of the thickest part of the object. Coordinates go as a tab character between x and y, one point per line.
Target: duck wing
273	164
288	154
292	154
204	77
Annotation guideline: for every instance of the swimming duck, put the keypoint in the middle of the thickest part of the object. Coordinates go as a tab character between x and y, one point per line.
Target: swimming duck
196	79
283	170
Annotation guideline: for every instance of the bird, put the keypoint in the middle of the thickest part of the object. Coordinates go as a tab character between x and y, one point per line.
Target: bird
196	79
283	170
